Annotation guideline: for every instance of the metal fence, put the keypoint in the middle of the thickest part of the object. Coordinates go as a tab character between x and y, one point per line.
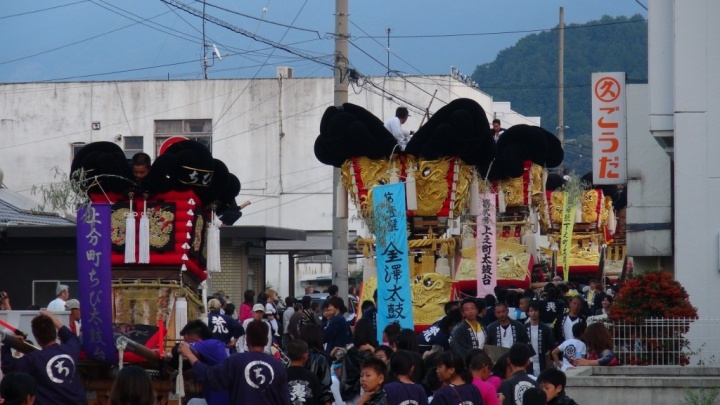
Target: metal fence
661	341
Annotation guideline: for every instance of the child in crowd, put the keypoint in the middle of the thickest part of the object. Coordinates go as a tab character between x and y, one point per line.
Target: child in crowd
383	353
402	390
303	384
571	349
480	367
18	388
372	378
534	396
456	382
553	383
499	372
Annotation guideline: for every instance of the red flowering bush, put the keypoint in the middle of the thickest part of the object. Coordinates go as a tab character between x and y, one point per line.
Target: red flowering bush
652	295
662	306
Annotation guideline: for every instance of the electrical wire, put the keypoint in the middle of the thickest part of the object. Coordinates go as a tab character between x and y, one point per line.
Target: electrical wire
42	9
77	42
477	34
262	20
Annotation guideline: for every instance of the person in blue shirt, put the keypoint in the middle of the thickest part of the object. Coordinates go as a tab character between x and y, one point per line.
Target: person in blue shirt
54	367
210	351
337	331
224	328
253	377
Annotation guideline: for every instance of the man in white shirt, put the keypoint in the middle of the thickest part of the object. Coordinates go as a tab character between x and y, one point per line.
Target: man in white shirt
58	304
258	314
394	125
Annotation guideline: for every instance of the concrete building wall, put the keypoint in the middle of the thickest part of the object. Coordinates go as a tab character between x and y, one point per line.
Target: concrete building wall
649	210
688	31
287	186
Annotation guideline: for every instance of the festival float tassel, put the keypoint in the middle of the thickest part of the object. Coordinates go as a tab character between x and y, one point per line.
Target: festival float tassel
179	380
501	201
144	236
474	196
130	235
411	190
213	244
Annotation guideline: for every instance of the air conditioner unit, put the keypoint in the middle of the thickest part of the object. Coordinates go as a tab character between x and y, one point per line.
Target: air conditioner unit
284	72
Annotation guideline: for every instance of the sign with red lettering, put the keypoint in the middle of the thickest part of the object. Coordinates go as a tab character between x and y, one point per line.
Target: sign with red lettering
609	128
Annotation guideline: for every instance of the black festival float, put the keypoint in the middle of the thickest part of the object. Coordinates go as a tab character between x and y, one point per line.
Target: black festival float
448	166
145	248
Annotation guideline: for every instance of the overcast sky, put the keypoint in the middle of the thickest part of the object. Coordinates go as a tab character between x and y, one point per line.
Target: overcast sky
71	40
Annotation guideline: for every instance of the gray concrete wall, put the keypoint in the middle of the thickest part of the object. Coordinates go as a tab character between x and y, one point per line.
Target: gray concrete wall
652	385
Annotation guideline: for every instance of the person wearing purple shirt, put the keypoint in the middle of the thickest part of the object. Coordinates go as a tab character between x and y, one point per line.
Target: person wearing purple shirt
54	367
209	351
252	377
403	390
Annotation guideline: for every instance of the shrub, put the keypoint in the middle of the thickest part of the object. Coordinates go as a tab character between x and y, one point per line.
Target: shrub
651	295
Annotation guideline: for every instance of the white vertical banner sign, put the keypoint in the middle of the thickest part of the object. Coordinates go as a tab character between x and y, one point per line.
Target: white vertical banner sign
609	128
486	245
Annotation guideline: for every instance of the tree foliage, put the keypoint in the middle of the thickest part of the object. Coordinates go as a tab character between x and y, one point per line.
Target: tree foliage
526	74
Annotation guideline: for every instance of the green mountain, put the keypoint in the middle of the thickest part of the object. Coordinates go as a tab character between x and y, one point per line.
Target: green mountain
526	74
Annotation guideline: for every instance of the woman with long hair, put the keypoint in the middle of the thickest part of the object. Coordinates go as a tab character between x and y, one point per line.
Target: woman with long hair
599	346
132	387
246	306
457	382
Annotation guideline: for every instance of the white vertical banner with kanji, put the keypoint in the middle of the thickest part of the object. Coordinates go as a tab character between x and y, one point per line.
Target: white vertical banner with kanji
609	128
393	268
486	245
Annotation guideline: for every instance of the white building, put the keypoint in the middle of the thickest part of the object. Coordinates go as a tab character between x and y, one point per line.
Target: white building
263	129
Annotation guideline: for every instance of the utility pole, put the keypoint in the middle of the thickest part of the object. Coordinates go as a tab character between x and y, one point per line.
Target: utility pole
204	45
561	79
340	225
388	50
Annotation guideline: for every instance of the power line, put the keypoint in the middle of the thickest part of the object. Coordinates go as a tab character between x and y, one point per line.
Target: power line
476	34
77	42
42	9
260	19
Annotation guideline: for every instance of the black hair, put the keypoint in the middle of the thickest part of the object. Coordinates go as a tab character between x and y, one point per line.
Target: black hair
336	302
451	359
578	329
490	300
449	305
468	300
452	318
500	304
364	335
511	299
500	293
367	304
289	301
141	159
407	340
256	334
333	289
385	349
262	298
496	121
43	328
197	328
312	334
552	376
132	387
16	386
534	396
519	354
535	305
401	363
499	369
480	361
401	112
249	296
470	354
306	301
431	379
230	309
314	305
296	349
375	364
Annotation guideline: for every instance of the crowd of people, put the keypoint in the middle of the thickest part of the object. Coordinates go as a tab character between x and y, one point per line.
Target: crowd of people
313	352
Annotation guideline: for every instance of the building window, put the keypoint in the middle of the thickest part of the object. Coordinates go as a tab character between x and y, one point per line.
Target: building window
75	148
196	130
132	145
